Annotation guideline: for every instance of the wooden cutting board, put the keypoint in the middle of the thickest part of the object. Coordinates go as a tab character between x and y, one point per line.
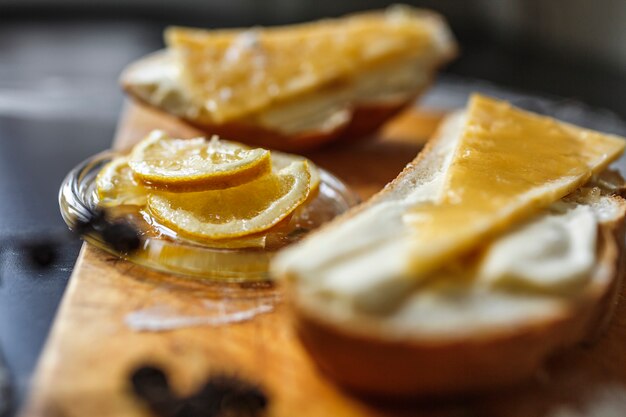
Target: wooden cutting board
91	351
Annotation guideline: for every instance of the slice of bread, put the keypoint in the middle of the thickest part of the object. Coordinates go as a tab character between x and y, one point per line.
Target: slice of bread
339	106
146	84
454	333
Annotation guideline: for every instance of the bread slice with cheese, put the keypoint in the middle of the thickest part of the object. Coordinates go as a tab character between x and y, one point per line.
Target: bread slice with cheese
501	243
295	87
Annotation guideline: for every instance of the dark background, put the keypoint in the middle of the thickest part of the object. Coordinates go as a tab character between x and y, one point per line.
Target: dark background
59	102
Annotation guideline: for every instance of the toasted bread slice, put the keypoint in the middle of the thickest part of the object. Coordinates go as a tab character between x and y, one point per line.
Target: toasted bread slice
458	331
343	86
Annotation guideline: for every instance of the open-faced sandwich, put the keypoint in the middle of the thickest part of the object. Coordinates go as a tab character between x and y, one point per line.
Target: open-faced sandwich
499	244
295	87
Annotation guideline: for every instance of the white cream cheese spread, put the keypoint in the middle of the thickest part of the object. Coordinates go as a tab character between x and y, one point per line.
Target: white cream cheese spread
554	252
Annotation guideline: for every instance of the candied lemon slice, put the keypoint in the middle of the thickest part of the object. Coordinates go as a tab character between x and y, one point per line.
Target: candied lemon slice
239	211
116	186
196	164
508	164
281	160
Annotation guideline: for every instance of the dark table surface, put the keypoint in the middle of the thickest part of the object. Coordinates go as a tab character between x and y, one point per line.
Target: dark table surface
59	103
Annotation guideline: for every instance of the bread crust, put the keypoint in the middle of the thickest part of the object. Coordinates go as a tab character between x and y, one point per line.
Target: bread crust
364	120
367	361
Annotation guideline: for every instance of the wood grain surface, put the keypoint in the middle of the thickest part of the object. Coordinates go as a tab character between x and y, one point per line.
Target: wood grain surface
91	351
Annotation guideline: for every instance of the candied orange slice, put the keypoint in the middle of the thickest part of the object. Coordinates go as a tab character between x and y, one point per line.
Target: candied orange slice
197	164
239	211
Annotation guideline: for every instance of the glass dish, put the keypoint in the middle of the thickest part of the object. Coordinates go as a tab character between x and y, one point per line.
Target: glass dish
167	252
